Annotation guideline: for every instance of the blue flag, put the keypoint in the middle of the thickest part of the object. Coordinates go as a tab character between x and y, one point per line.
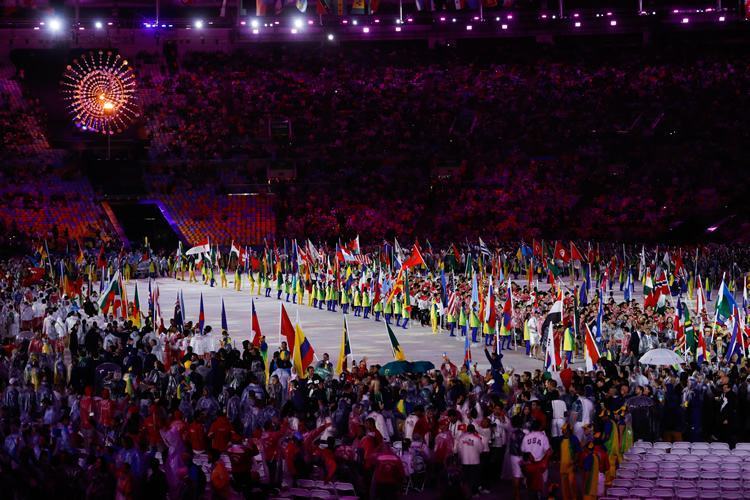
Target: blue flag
224	325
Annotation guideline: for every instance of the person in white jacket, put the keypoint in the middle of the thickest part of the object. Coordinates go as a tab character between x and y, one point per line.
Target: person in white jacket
469	447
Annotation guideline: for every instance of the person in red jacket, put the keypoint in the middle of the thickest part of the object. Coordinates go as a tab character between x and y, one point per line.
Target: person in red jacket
196	434
152	425
106	411
533	471
220	433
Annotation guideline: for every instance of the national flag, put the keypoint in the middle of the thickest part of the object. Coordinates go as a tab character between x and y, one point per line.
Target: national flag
628	291
538	249
111	298
101	261
575	254
81	257
736	343
345	351
725	304
484	249
378	290
561	253
701	353
201	317
415	259
135	312
201	248
600	319
178	312
224	325
303	352
680	343
467	352
591	352
490	315
554	316
552	358
506	321
453	303
648	284
474	289
286	329
398	354
182	307
687	325
255	325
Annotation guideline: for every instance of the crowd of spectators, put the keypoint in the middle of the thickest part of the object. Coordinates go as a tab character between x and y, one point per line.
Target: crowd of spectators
601	145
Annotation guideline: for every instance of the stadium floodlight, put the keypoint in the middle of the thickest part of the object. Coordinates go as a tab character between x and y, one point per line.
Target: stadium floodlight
685	20
55	24
298	23
198	24
98	25
254	23
330	37
578	24
722	19
613	23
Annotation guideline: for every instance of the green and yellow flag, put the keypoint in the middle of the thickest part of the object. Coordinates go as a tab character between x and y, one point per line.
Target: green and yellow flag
398	354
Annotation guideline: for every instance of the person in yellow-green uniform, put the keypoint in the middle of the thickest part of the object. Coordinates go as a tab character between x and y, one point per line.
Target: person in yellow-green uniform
321	295
287	288
377	309
279	285
434	316
223	277
487	333
345	300
251	280
191	273
300	295
397	306
266	284
568	344
387	310
462	320
237	280
211	279
527	335
366	301
474	322
570	447
335	295
315	294
450	320
311	287
329	297
152	270
405	312
356	301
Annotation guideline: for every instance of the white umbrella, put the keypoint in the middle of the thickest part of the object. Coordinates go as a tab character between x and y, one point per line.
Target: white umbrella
661	357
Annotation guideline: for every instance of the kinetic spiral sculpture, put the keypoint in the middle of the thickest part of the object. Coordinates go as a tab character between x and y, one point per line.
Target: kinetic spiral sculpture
100	89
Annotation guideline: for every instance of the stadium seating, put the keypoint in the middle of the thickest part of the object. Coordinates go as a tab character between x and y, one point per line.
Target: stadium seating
702	470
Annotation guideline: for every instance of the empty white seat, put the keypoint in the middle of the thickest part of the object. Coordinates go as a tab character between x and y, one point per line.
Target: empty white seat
662	493
684	484
668	474
701	452
618	492
732	459
700	445
732	495
730	485
730	467
640	492
630	466
710	466
742	446
681	444
669	466
712	458
662	444
647	444
647	474
718	446
667	483
626	474
690	458
672	457
680	451
649	465
622	483
685	493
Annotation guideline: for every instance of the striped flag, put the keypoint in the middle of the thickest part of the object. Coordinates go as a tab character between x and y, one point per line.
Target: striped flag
345	351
